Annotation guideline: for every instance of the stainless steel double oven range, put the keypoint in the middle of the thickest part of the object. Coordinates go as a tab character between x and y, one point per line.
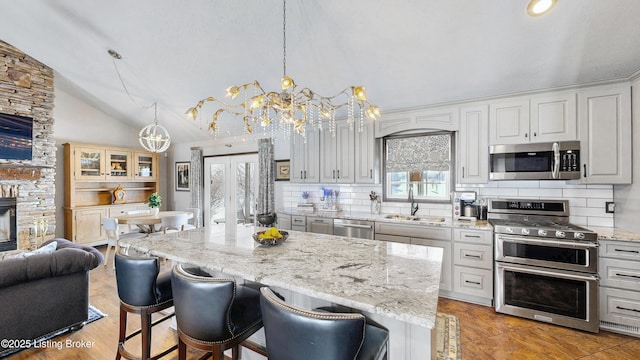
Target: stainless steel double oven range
546	269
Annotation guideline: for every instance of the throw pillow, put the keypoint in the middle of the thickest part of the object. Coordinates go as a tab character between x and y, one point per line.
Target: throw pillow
47	249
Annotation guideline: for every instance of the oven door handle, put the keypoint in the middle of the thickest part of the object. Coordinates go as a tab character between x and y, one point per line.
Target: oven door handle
579	245
556	160
551	272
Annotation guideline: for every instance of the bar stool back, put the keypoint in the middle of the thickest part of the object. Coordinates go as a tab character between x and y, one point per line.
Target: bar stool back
143	290
294	333
213	314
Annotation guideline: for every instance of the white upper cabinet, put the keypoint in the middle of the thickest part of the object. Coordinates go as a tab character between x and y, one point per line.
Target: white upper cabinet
441	118
366	160
473	145
605	134
540	118
509	121
337	163
553	117
305	157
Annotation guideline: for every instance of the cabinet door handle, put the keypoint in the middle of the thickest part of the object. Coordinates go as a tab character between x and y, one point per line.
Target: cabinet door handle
334	174
473	256
623	308
627	251
629	276
535	134
472	236
526	135
472	282
301	176
585	169
370	173
305	174
463	172
338	174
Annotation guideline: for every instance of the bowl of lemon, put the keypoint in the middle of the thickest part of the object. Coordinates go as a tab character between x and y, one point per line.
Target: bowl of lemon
270	237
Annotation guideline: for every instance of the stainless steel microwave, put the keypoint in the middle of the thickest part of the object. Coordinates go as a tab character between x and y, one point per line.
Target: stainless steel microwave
541	161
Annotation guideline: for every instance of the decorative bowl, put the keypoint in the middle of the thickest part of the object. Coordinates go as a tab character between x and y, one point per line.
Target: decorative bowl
266	219
270	241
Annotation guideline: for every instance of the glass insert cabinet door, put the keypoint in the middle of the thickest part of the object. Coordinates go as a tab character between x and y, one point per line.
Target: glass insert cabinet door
90	164
119	165
145	166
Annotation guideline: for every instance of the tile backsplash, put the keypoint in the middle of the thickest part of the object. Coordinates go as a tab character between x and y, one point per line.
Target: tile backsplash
587	202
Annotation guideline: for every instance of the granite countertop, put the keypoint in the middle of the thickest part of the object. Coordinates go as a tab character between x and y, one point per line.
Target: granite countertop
395	280
393	218
607	233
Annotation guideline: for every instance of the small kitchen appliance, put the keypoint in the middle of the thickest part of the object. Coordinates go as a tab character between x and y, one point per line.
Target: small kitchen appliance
464	205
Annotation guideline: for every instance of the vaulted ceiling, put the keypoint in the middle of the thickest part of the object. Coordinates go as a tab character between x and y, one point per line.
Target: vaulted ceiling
407	52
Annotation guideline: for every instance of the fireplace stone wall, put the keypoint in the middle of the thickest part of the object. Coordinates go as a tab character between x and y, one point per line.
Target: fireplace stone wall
26	89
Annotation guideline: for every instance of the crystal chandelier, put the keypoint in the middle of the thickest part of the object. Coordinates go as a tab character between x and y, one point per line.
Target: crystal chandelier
154	137
291	107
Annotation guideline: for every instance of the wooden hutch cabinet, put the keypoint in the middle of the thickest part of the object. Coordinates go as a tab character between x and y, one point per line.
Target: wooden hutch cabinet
92	173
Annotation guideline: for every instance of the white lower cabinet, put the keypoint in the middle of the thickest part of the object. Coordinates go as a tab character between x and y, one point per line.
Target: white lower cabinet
618	268
473	266
320	225
283	221
473	281
298	223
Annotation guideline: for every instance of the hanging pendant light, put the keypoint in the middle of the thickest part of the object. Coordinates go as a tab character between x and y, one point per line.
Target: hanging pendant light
154	137
289	108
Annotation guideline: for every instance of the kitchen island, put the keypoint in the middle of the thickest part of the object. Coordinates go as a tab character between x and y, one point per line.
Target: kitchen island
392	283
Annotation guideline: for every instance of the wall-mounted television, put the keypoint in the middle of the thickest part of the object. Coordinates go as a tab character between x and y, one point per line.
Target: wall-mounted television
16	137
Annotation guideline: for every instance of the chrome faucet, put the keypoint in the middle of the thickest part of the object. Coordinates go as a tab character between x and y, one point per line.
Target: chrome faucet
414	205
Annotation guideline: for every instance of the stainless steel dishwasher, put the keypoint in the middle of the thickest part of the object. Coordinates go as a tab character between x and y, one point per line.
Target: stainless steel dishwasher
354	228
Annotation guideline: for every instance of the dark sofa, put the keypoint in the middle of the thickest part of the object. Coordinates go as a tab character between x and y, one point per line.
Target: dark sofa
46	293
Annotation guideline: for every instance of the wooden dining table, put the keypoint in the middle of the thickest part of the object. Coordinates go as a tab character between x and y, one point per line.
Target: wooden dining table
148	222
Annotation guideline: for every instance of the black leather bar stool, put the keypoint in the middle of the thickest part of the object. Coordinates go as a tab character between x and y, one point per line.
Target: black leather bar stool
213	314
142	290
294	333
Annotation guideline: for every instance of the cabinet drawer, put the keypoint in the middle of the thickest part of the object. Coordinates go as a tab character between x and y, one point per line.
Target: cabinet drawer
620	306
620	249
421	231
471	281
473	236
393	238
624	274
480	256
298	220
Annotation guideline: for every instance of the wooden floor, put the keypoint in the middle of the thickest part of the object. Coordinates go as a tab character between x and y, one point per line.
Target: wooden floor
484	334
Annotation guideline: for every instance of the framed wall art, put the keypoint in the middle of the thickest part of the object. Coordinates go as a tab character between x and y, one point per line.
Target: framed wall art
283	168
182	175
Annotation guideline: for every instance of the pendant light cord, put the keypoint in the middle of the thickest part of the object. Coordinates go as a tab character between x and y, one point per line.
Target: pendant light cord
284	38
129	94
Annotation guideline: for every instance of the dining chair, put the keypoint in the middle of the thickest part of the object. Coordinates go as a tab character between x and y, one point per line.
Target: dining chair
196	220
176	222
213	314
112	229
295	333
142	290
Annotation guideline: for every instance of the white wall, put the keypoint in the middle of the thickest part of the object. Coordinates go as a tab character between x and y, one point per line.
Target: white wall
627	197
76	121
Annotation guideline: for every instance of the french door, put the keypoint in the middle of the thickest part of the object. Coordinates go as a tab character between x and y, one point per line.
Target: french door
230	188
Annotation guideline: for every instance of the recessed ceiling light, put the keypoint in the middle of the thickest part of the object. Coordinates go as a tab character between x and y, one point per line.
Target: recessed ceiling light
539	7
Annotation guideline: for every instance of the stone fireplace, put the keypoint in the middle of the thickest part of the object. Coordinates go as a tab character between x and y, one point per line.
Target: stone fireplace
26	89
